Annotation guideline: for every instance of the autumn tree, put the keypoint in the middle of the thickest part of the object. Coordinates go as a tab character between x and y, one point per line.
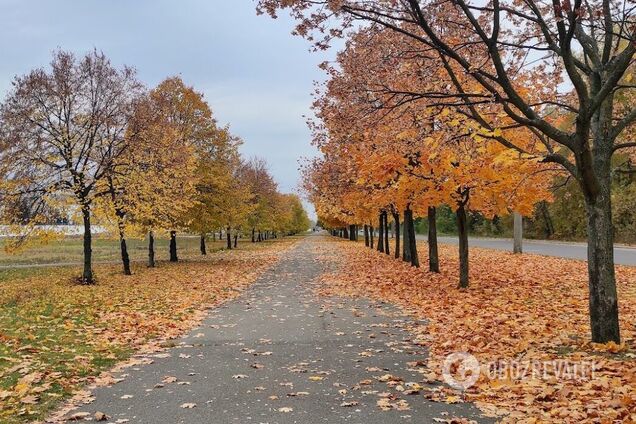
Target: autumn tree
219	193
64	129
587	45
152	184
264	189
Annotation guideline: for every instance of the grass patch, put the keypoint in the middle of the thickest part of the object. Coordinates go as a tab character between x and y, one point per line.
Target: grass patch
56	336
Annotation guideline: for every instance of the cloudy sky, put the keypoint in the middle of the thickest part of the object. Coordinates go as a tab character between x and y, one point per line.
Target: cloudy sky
254	74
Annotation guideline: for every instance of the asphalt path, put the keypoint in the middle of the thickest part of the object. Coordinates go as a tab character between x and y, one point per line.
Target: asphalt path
282	354
623	255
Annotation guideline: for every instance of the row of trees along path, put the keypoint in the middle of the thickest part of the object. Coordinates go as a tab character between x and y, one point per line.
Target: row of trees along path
83	138
478	106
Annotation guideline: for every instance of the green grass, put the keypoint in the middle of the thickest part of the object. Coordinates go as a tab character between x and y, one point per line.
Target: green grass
64	332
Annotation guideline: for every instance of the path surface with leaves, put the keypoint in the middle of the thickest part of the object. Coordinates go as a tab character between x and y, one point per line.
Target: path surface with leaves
282	354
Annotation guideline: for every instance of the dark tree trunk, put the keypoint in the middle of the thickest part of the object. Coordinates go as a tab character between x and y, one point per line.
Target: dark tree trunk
396	220
151	249
253	235
381	233
371	236
409	227
352	232
345	233
260	236
406	247
228	237
600	265
87	275
433	255
235	241
125	259
462	230
366	235
202	245
173	246
386	233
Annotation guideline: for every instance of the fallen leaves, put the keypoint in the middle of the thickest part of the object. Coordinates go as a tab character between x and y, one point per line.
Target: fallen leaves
519	307
188	405
56	336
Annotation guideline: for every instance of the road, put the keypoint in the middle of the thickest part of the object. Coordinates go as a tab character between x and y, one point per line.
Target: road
282	354
622	255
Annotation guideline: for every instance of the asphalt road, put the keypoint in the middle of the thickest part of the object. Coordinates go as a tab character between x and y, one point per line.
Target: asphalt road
622	255
281	354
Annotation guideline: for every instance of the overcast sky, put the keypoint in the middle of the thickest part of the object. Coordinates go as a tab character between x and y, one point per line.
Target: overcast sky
255	75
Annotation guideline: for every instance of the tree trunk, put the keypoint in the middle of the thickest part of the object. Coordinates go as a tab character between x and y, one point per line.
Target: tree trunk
253	235
396	220
125	259
173	246
87	275
228	237
433	255
462	230
409	227
345	233
406	251
381	234
386	233
202	245
371	236
366	235
352	232
600	265
518	233
151	249
235	240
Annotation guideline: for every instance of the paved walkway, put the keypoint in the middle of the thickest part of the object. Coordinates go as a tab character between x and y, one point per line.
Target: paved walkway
623	255
281	354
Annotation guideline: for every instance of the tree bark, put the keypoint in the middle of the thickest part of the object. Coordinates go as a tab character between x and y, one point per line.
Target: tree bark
381	234
228	236
202	245
173	246
151	249
371	236
396	220
125	259
235	240
518	233
87	275
366	235
409	227
462	230
600	265
433	255
406	247
253	235
386	233
345	233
